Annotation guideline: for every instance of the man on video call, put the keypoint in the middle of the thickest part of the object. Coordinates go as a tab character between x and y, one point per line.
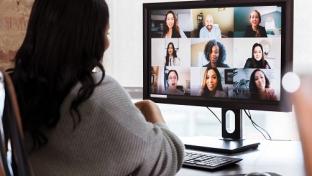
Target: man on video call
210	30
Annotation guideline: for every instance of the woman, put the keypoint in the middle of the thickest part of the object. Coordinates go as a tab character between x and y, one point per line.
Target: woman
259	86
211	85
171	56
257	58
172	82
215	54
78	122
254	29
172	29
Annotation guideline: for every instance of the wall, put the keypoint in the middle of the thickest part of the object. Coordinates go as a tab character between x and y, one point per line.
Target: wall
13	22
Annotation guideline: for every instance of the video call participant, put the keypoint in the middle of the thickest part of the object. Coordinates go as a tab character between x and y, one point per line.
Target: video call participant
172	82
171	56
257	58
210	30
78	122
254	29
259	86
211	84
172	29
215	54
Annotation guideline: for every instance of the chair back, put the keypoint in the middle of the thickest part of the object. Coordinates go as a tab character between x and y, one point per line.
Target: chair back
13	157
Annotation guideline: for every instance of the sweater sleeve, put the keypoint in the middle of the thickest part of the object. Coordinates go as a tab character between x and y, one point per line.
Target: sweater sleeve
164	155
151	149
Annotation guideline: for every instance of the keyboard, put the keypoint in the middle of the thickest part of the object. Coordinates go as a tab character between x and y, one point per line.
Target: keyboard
207	161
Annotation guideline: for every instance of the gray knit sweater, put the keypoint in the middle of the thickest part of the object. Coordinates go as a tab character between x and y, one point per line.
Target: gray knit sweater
113	138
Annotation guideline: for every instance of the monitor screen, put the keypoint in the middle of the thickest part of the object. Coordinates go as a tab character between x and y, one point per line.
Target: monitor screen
217	53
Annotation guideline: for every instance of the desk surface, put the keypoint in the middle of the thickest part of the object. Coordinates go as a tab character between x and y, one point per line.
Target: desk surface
281	157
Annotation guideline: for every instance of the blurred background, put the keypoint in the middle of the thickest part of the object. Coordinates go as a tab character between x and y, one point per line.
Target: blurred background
124	61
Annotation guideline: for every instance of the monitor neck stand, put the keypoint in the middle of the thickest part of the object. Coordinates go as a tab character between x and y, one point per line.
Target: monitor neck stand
231	142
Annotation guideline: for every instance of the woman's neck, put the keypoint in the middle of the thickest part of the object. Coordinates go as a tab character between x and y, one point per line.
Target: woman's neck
212	93
254	27
169	33
261	94
258	61
213	65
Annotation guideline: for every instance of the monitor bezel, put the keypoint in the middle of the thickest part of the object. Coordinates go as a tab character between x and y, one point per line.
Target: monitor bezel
284	105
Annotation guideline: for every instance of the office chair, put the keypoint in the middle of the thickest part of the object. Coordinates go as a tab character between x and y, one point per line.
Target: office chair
13	157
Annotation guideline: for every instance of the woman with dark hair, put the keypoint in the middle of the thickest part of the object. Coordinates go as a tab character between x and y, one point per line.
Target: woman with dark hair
78	122
257	58
259	86
211	84
171	56
215	54
172	29
172	83
254	29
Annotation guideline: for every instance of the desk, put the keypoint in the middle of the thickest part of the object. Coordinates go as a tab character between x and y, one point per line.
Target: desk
282	157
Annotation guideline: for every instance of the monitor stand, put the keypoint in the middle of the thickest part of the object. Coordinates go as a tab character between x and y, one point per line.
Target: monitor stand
231	142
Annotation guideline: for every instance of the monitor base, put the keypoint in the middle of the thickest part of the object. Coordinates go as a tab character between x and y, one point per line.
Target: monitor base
221	145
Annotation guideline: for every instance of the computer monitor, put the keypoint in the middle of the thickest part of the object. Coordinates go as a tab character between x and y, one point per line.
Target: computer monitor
219	53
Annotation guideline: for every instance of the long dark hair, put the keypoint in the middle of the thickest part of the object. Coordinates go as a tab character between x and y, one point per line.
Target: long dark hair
222	52
64	42
204	89
167	54
175	28
258	64
254	92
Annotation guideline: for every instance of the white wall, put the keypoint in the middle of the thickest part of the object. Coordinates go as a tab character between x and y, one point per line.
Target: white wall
302	37
124	58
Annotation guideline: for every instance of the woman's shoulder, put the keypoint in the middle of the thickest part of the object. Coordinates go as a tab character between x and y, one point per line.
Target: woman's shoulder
249	59
220	93
266	64
108	94
262	31
269	91
109	88
248	63
270	94
223	65
261	28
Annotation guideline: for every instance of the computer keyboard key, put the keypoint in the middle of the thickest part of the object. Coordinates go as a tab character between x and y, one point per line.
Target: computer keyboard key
207	161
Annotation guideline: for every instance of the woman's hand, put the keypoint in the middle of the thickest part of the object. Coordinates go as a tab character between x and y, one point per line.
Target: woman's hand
150	111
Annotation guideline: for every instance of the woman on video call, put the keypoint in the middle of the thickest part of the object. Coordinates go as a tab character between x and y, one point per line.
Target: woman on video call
171	56
172	81
259	86
257	58
215	54
211	84
78	122
172	29
254	29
